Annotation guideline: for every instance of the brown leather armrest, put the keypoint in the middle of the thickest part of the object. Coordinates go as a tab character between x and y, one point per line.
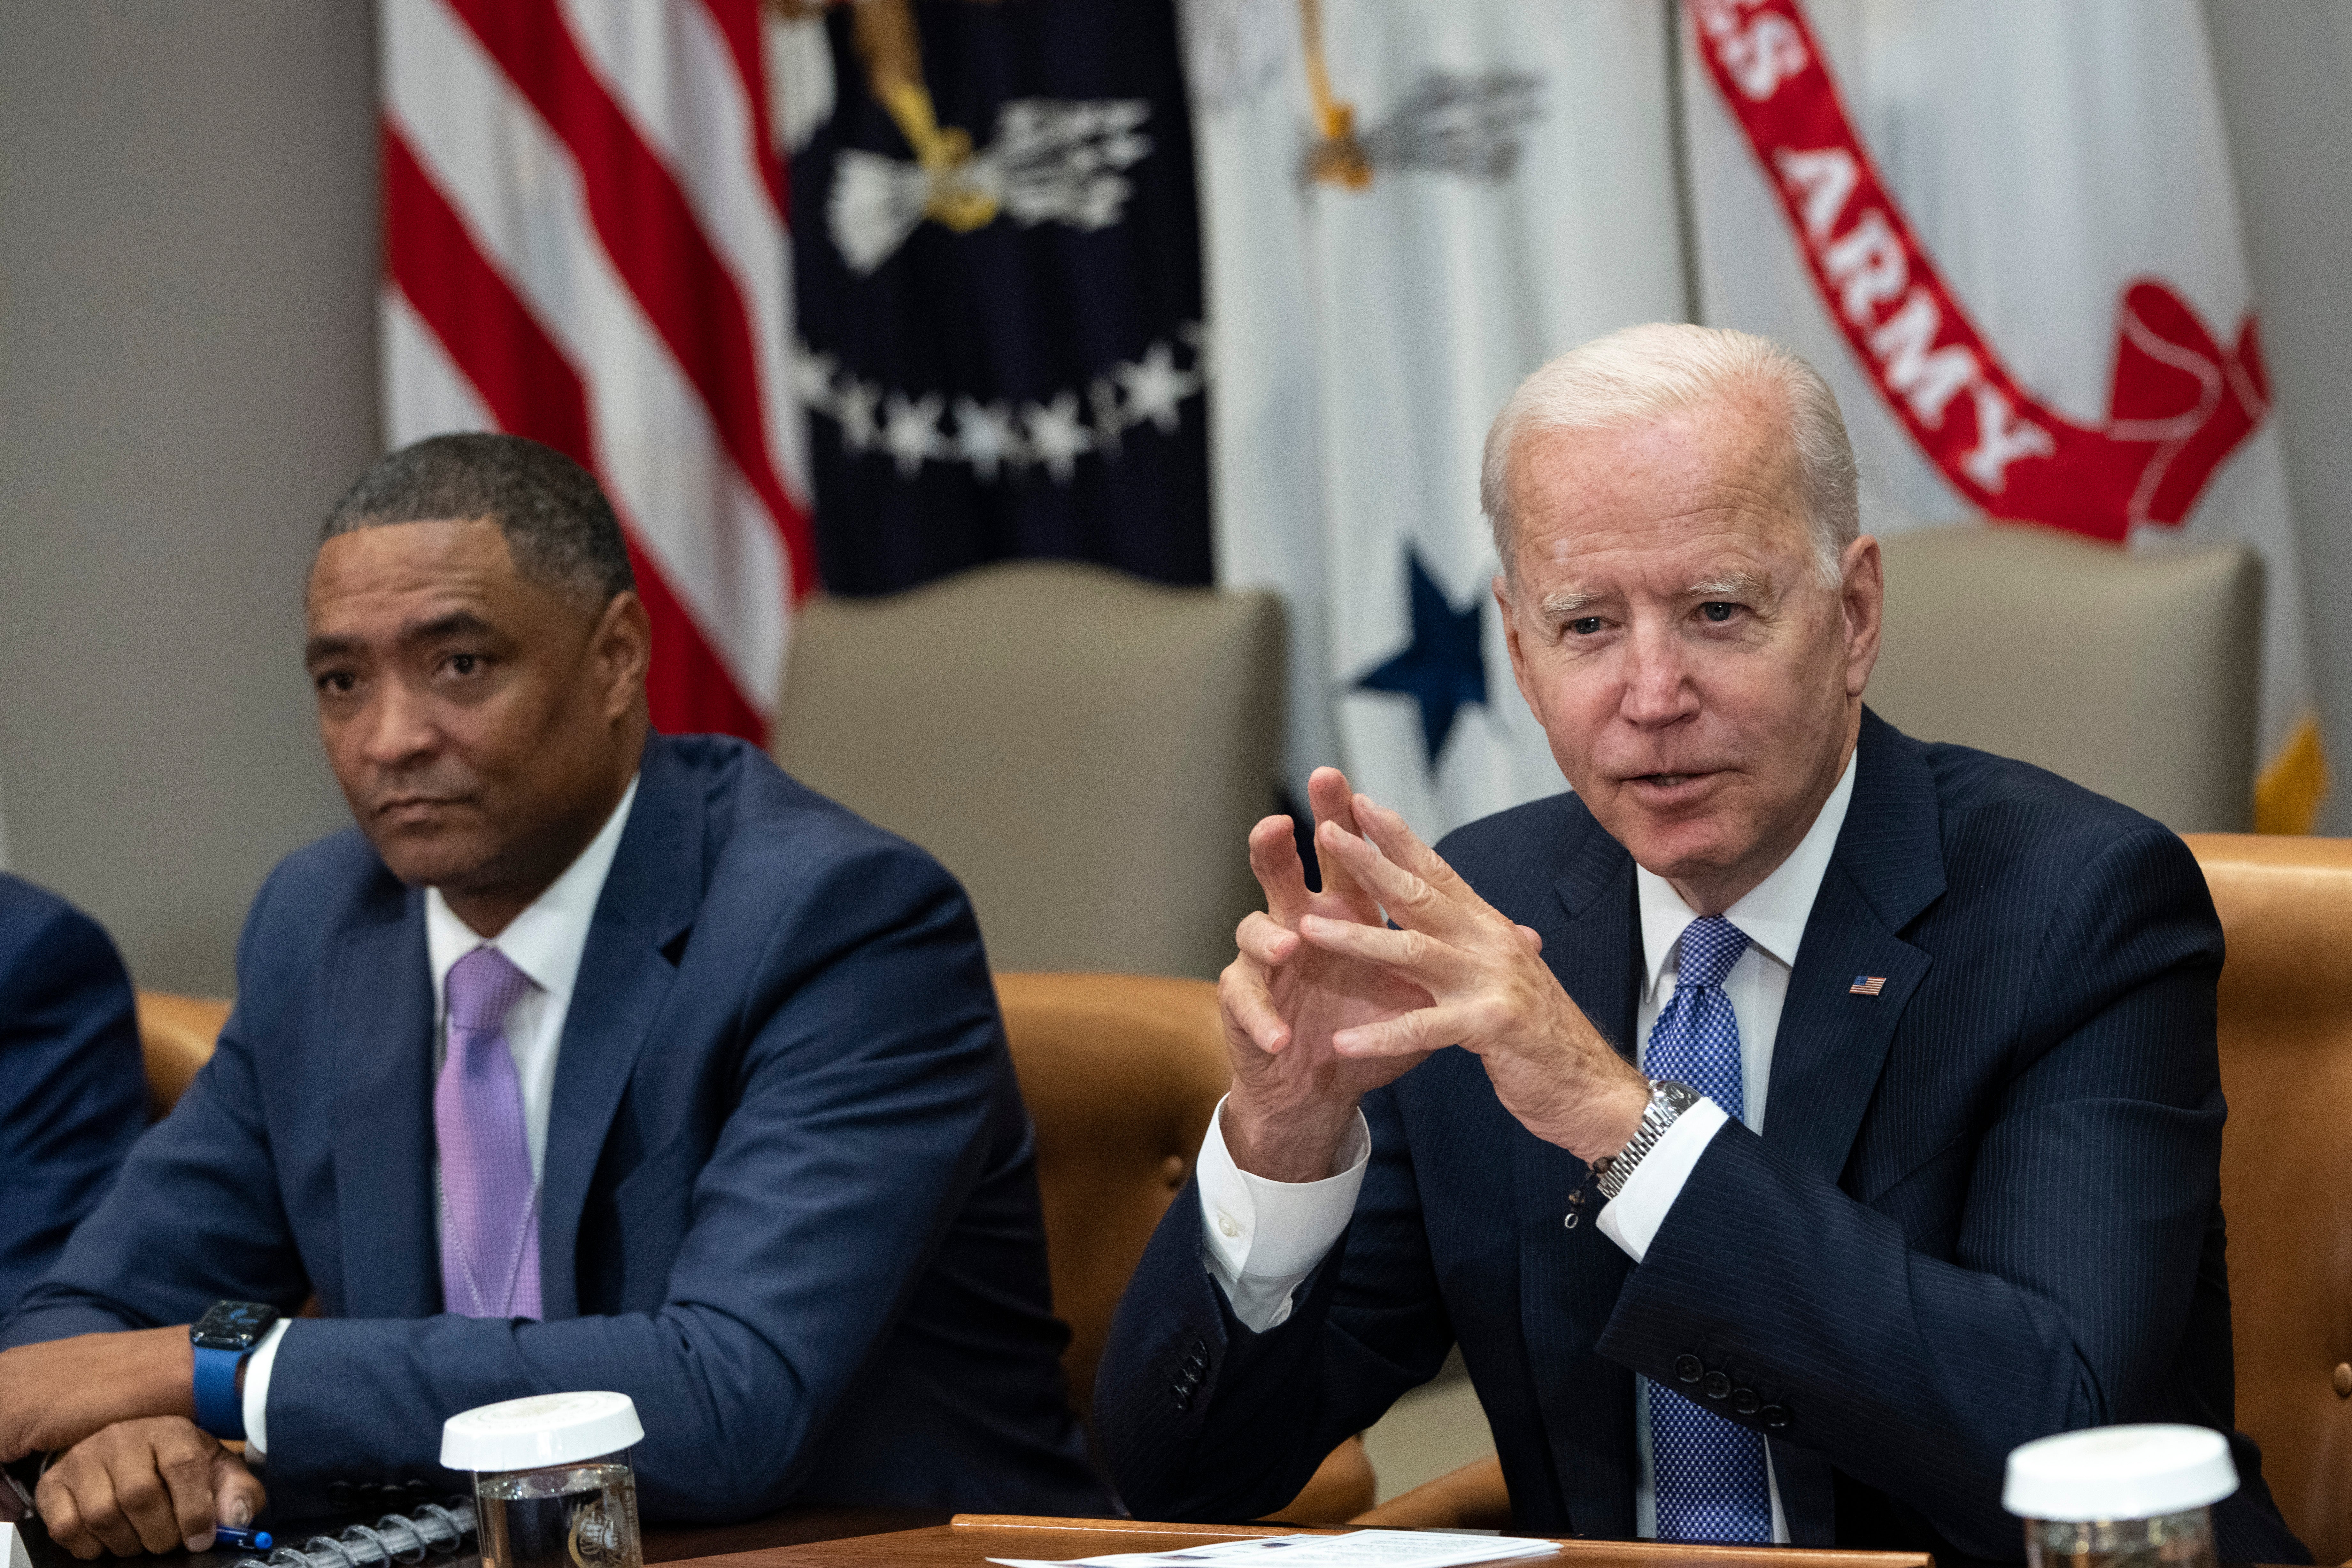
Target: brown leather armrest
1342	1486
1472	1497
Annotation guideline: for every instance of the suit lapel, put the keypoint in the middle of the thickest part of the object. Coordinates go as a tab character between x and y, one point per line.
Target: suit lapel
1569	1279
1888	867
650	899
380	1016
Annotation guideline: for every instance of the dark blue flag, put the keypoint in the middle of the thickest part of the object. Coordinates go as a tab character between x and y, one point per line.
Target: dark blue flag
998	268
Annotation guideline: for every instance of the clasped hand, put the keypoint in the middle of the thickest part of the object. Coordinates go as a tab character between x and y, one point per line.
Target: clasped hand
1325	1002
132	1472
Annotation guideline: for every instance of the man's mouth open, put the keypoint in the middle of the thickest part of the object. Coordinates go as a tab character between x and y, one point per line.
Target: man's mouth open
1667	787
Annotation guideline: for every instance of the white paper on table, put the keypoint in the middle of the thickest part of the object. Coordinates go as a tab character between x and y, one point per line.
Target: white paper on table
12	1549
1357	1549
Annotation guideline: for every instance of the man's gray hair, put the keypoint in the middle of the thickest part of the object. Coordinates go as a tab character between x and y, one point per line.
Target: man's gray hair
558	525
1644	373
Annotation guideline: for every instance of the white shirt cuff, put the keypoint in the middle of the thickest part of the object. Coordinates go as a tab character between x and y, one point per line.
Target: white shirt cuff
1631	1218
257	1363
1263	1237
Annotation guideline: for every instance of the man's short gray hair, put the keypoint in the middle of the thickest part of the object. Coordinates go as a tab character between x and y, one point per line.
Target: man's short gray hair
559	527
1644	373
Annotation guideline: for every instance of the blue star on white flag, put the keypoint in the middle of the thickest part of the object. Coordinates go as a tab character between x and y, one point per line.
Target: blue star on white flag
1509	194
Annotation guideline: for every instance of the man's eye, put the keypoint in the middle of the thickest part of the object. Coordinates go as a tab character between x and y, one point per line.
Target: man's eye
338	683
1585	626
1717	610
464	663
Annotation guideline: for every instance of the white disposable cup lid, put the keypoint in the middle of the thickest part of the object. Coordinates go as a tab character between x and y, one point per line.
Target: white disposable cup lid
543	1429
2119	1472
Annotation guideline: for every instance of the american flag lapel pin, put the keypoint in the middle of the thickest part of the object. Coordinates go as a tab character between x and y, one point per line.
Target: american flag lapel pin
1867	985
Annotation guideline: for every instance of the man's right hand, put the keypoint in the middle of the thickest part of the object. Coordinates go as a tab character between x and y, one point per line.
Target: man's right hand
1293	1097
157	1484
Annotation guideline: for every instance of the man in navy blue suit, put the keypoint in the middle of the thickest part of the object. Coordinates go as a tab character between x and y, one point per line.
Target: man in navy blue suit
591	1060
1511	1094
73	1092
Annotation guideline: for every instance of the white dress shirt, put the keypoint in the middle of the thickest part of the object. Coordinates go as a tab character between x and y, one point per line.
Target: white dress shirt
1264	1237
545	942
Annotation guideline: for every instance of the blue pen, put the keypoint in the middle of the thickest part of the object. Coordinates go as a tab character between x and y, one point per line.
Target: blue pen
244	1540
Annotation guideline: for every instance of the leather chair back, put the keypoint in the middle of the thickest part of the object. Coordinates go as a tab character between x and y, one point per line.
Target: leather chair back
1086	751
2286	1162
176	1035
2137	676
1122	1073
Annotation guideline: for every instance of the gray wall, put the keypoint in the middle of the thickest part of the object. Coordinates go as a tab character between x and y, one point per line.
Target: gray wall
187	266
2286	92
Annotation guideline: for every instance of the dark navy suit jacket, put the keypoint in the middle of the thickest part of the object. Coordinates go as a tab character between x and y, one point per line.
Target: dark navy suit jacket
1985	1206
789	1205
73	1089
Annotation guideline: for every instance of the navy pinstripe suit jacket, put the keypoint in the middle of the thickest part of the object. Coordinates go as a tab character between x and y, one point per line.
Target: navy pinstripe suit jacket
1985	1207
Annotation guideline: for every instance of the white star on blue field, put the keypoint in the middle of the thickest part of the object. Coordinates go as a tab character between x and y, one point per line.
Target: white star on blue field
1445	665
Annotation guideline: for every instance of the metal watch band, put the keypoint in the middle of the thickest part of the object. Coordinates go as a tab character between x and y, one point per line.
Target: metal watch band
1668	1100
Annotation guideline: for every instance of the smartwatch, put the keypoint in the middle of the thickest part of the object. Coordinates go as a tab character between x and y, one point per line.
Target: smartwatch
223	1337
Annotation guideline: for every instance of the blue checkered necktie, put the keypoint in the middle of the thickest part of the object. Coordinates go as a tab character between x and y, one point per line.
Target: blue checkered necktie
1711	1480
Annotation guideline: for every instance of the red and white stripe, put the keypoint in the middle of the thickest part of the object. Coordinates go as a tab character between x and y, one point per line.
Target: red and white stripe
586	244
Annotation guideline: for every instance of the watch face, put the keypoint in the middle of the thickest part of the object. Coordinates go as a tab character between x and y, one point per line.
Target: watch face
1681	1096
233	1325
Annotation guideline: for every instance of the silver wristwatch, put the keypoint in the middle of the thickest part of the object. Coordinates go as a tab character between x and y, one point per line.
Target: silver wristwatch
1668	1100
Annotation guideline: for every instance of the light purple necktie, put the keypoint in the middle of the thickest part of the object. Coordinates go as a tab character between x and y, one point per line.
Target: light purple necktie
489	1204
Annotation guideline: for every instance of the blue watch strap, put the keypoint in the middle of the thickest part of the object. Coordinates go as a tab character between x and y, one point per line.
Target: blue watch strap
220	1409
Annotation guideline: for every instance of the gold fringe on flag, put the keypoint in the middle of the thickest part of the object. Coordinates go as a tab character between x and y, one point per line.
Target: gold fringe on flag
2288	793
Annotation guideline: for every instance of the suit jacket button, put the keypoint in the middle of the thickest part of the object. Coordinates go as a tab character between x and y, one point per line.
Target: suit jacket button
1688	1368
1715	1385
1776	1417
1744	1402
339	1496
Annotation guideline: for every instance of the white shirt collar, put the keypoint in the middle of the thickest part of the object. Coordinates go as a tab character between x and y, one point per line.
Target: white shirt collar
1773	914
546	941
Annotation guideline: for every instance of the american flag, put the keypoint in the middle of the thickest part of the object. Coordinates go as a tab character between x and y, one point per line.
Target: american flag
1867	985
586	244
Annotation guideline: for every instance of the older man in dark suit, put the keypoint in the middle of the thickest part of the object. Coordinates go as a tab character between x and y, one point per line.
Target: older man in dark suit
1529	1117
590	1059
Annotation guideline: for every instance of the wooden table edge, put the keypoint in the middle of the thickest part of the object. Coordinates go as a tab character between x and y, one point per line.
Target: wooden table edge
923	1544
1573	1546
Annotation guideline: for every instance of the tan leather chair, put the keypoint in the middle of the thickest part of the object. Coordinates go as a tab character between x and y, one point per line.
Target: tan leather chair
2133	675
1122	1073
1084	750
2286	1162
176	1035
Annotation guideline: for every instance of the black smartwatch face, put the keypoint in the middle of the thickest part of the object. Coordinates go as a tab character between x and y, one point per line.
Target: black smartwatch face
232	1325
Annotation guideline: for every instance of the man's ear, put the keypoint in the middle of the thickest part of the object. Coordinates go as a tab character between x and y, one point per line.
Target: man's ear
1511	641
1863	601
623	647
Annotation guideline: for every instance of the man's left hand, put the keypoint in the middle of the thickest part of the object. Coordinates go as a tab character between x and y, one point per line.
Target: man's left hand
1493	993
55	1395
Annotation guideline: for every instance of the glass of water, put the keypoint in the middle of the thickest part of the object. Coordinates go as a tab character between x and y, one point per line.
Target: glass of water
2120	1497
552	1485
